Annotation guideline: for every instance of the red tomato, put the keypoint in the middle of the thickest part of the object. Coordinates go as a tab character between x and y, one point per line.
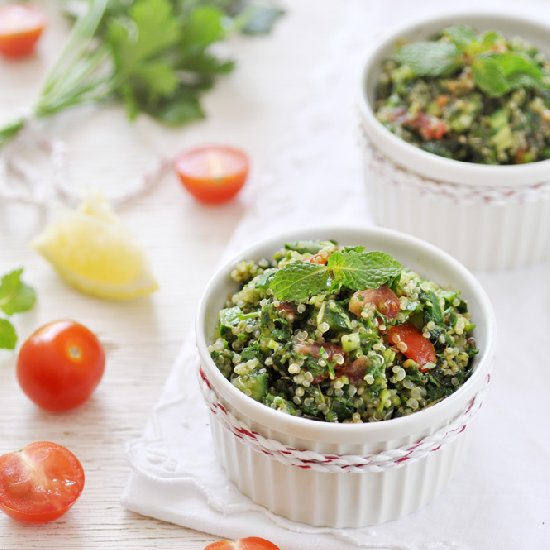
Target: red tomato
321	258
40	482
213	174
21	25
430	127
60	365
383	298
419	348
249	543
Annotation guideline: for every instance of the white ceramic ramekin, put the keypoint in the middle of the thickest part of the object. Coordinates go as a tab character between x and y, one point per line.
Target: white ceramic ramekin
342	498
489	217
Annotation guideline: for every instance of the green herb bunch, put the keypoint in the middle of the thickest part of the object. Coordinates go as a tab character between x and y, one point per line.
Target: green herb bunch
155	56
15	297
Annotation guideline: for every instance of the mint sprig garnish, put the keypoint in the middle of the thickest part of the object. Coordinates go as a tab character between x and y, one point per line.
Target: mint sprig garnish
15	297
299	281
495	70
361	270
349	268
499	73
430	58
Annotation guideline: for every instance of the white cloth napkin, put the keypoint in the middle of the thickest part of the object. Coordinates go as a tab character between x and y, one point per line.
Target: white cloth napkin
501	496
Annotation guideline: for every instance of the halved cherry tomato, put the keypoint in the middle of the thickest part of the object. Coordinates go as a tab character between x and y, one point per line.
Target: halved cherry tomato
213	174
40	482
383	298
21	25
60	365
249	543
419	348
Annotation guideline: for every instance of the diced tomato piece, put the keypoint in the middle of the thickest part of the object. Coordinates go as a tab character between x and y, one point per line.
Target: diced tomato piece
442	100
354	371
321	258
287	309
383	298
419	348
315	351
248	543
430	127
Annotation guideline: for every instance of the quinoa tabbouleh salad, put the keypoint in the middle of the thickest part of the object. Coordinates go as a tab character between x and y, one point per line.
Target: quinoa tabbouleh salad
342	335
469	96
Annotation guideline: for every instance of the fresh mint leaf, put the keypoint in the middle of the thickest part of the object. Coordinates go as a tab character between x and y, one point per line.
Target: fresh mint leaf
361	270
311	247
298	281
498	73
430	58
489	76
461	35
8	336
15	295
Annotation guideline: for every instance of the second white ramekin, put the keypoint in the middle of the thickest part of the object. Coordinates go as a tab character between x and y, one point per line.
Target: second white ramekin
489	217
342	499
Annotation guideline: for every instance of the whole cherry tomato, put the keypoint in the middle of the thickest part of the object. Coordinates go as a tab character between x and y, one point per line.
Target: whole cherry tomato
60	365
40	482
249	543
21	25
213	174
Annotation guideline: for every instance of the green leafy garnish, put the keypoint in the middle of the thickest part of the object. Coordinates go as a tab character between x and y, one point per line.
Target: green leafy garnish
15	297
8	336
430	58
460	35
361	270
349	268
494	71
299	281
498	73
154	56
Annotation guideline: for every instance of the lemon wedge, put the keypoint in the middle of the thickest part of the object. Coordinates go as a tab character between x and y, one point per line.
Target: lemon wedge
92	251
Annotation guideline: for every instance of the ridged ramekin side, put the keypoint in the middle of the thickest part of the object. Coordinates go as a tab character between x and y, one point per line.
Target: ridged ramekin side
335	499
485	229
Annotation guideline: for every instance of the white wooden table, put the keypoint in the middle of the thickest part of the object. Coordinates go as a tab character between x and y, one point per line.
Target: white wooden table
252	108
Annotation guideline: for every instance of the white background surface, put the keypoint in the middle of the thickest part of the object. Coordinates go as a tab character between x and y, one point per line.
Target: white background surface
268	97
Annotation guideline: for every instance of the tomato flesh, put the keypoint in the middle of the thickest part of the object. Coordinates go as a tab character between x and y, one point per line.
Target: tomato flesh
21	26
213	174
419	348
248	543
40	482
383	299
60	365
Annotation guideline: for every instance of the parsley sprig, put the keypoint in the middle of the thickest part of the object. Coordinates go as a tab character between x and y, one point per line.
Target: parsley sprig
350	268
154	56
15	297
496	69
